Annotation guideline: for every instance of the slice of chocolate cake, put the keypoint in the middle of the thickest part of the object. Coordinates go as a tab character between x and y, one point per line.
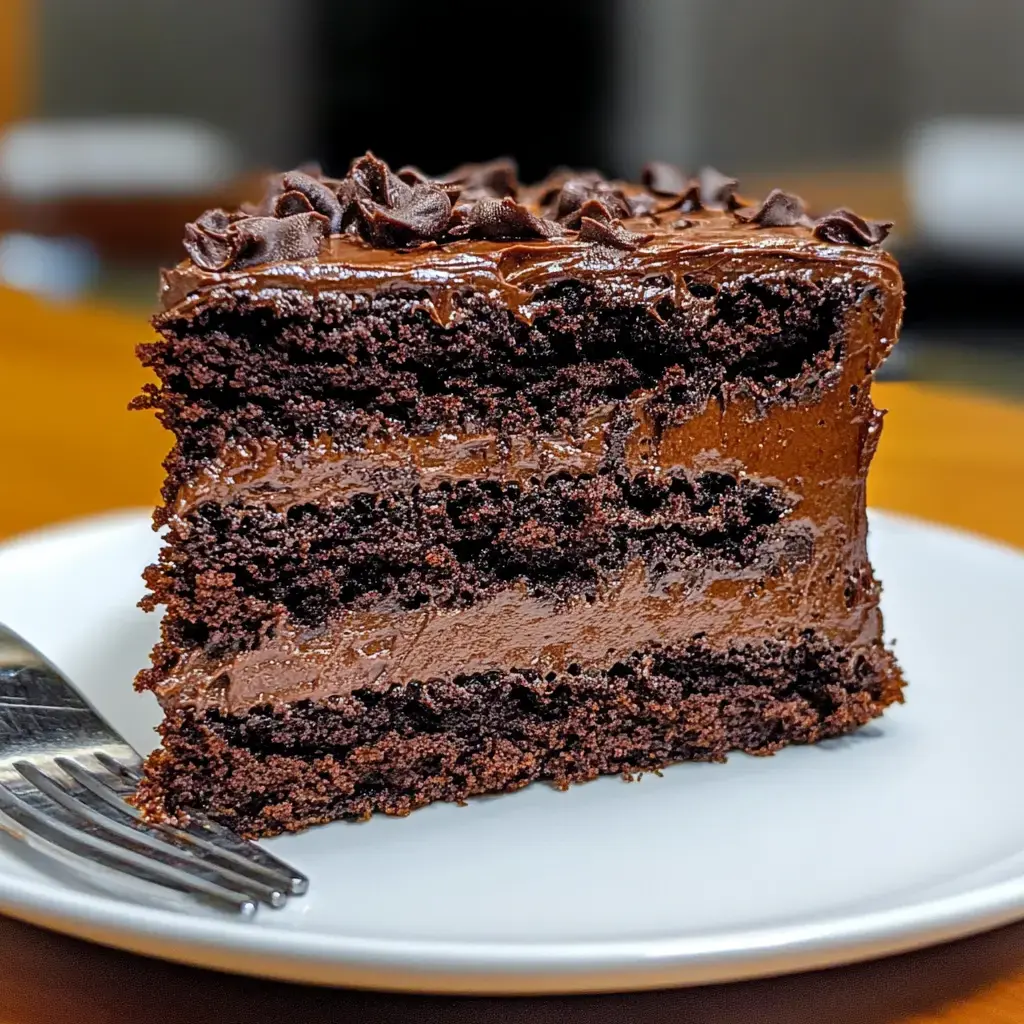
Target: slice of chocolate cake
476	484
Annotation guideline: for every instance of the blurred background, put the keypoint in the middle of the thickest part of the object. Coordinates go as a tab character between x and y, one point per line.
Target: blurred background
121	119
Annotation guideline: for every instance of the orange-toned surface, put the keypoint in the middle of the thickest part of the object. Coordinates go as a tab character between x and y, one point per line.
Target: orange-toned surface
69	448
68	444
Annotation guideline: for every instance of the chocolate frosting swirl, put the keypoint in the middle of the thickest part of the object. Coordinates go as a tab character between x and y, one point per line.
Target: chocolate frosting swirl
599	225
496	178
582	197
717	191
406	210
303	193
844	227
779	210
218	240
502	220
664	179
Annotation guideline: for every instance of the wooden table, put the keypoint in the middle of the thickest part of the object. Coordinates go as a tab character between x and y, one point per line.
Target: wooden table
70	448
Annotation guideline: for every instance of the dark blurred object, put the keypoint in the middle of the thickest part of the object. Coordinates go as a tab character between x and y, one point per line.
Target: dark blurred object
964	259
122	187
440	85
142	228
947	293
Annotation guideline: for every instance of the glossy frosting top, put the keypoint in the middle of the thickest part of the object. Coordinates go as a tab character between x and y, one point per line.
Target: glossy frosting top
477	228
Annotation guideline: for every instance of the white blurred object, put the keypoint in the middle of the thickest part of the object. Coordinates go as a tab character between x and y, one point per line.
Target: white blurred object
42	160
965	186
57	268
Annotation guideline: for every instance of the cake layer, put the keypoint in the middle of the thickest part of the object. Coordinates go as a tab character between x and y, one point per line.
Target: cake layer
370	368
379	649
229	570
290	766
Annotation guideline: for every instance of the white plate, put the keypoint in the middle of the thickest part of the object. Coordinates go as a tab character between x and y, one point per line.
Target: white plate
908	833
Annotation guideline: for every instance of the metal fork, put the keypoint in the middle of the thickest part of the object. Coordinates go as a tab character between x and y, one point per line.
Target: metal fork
64	776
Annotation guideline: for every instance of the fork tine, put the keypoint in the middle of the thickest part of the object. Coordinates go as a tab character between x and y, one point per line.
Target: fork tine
224	838
137	836
54	836
220	836
283	880
116	767
50	808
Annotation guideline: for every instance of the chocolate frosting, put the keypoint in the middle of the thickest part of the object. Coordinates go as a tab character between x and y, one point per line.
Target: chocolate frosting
779	210
373	205
230	241
845	228
717	190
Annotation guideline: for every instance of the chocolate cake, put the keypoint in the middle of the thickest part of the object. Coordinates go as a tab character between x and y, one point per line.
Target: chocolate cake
475	484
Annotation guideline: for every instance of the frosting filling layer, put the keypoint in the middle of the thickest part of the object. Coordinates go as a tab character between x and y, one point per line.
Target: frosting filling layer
516	631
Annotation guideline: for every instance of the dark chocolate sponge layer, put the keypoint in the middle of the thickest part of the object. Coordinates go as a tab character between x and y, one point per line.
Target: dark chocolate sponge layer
285	768
355	365
229	570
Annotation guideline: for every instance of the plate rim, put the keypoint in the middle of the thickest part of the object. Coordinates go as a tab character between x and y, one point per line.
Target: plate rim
446	967
521	967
